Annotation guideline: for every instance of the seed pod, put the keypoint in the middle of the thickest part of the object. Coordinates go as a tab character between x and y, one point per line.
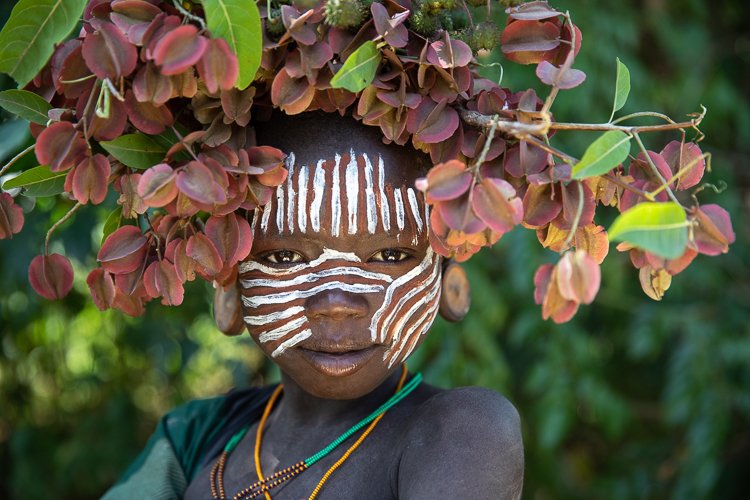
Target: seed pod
486	35
460	19
424	24
345	14
274	26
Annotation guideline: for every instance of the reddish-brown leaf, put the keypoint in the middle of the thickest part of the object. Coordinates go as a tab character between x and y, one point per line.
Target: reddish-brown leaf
539	207
184	265
527	42
431	122
224	233
11	216
532	11
146	117
123	251
150	85
160	280
552	75
445	181
107	52
495	202
60	146
292	95
179	49
51	276
218	67
157	185
206	256
578	277
196	181
129	304
89	180
685	159
390	28
102	288
448	53
132	204
713	232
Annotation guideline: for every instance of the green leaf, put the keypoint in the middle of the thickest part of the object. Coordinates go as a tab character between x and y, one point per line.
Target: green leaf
237	22
28	38
604	154
38	182
622	87
359	69
112	223
136	150
26	105
660	228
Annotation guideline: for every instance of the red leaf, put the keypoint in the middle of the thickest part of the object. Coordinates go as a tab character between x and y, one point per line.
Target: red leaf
570	201
552	75
206	256
495	202
151	85
102	288
107	52
60	146
184	265
132	204
218	67
458	215
89	180
51	276
447	181
146	117
224	233
196	181
539	208
532	11
123	251
448	53
297	26
11	217
527	42
292	95
713	233
578	277
390	28
160	280
542	279
431	122
179	49
680	156
157	185
72	68
130	305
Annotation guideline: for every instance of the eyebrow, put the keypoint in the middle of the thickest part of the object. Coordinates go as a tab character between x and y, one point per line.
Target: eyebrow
354	188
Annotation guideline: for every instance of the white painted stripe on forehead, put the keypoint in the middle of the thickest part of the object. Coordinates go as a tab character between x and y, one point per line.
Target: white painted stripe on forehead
328	254
305	334
372	215
284	297
266	217
315	276
393	287
385	212
336	198
399	202
302	202
412	196
290	193
264	319
352	192
254	223
277	333
280	208
319	185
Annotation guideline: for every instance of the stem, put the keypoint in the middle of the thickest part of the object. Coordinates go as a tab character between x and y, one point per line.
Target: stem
15	159
187	146
57	224
618	182
79	80
154	234
551	149
487	145
681	172
576	218
84	116
565	67
643	113
627	130
187	14
655	170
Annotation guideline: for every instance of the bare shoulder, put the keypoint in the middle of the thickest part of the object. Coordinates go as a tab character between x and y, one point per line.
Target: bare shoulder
462	443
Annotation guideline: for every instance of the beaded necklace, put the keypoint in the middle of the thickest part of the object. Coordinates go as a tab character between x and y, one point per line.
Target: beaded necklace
265	484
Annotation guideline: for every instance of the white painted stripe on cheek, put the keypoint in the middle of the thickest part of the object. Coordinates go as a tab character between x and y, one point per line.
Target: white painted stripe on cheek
319	185
399	206
352	192
412	196
305	334
430	282
336	198
302	203
419	328
280	208
263	319
372	215
313	277
385	212
284	297
291	195
279	332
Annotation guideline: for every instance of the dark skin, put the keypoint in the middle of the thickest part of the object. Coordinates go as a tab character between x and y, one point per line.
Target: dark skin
435	443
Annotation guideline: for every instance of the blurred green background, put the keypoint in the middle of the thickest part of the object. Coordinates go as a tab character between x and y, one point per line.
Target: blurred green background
631	399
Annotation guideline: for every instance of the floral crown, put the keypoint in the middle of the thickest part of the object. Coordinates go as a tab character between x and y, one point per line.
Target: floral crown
154	98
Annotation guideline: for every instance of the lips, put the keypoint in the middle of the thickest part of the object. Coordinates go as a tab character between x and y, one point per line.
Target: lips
338	360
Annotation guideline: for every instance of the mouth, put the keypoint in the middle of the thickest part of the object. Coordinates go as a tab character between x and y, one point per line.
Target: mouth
338	361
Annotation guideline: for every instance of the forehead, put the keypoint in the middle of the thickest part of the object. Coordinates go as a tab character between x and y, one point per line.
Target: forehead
350	193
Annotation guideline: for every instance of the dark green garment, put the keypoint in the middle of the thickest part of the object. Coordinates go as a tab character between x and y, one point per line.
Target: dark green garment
185	440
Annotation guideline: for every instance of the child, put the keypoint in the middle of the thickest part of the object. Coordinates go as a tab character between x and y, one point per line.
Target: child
339	289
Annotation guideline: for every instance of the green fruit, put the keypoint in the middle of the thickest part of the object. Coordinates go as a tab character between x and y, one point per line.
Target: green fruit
423	23
460	19
345	14
487	35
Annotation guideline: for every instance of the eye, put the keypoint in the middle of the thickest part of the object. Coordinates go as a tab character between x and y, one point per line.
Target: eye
390	255
282	257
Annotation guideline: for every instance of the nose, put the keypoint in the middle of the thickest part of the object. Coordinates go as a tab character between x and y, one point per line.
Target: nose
336	305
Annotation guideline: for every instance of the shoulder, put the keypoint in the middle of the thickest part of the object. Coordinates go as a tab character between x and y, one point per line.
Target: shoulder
463	442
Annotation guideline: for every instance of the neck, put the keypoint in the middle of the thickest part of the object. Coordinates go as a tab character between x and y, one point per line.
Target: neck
298	406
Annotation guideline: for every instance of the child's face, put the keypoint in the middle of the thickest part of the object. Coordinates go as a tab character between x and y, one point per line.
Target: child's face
342	283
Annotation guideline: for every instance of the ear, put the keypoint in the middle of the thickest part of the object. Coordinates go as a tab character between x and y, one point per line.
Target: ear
455	297
228	308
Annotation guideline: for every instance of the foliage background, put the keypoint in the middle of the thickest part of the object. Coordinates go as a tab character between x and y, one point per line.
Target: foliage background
631	399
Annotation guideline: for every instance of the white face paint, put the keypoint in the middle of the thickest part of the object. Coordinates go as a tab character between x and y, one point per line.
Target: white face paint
348	196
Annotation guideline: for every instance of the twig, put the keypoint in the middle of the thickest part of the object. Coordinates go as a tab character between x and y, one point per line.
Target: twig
58	223
655	170
189	15
643	113
551	149
487	144
618	182
15	159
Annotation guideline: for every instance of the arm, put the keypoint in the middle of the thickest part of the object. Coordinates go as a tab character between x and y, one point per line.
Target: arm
463	443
